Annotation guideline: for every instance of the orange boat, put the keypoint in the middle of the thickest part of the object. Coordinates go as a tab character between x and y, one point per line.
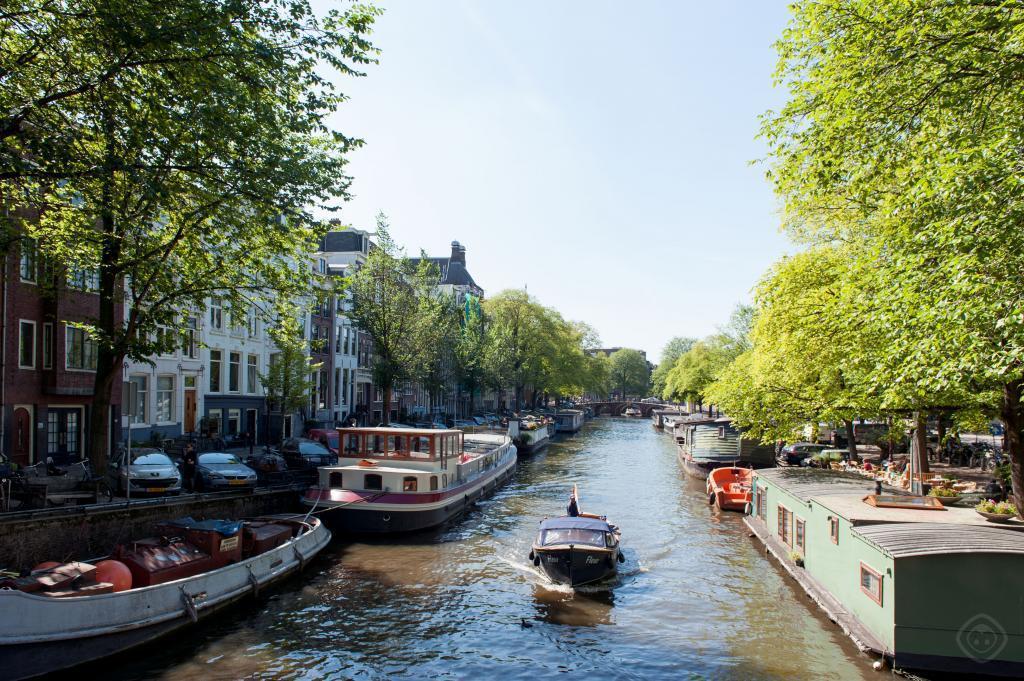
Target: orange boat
729	488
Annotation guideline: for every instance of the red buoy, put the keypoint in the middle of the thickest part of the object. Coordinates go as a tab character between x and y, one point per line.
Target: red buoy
48	565
115	572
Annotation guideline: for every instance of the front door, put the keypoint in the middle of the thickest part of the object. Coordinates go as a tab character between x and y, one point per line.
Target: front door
190	411
64	434
21	446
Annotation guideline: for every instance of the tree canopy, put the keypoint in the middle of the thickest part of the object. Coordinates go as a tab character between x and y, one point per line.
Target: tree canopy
629	373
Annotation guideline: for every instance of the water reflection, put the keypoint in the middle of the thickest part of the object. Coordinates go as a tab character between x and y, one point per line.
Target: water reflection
563	606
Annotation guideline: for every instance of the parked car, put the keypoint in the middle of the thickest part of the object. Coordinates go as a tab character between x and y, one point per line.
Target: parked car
328	437
480	420
303	453
151	471
464	423
221	471
795	454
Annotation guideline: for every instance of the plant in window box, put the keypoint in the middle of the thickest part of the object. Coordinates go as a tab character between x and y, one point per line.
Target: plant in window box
996	511
796	558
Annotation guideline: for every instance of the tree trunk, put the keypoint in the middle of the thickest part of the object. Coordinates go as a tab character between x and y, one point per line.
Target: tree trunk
921	437
851	443
942	430
1013	422
386	411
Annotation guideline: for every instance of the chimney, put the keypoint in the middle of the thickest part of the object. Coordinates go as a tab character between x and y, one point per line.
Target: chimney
458	253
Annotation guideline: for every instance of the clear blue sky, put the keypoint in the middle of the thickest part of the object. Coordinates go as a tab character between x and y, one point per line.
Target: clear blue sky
596	152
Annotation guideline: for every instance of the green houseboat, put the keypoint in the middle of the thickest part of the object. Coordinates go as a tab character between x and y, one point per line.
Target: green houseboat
926	587
708	443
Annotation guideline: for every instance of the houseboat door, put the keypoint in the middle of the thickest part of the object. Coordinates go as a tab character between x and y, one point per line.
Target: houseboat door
63	433
190	410
21	444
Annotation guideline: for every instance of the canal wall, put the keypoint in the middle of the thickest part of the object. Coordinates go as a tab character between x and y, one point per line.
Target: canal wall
87	532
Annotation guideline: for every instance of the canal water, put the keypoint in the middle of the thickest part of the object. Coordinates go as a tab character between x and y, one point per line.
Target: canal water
697	599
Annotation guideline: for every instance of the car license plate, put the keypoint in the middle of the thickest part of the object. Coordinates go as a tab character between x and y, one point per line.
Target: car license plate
236	482
156	489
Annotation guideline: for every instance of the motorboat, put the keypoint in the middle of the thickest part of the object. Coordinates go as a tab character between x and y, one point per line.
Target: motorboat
578	548
729	488
392	480
61	615
632	413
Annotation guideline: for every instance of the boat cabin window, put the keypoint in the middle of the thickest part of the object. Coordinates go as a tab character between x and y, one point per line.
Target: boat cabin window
396	444
433	483
871	583
785	518
353	443
444	480
409	483
420	447
833	529
799	534
372	481
573	535
335	480
721	432
377	442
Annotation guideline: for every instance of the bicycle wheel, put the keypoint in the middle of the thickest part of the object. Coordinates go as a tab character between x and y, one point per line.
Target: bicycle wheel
103	490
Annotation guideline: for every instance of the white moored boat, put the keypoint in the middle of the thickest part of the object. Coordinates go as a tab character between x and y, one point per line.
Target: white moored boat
407	479
42	633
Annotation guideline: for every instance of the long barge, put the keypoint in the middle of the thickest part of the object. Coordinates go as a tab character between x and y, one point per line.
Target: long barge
393	480
707	444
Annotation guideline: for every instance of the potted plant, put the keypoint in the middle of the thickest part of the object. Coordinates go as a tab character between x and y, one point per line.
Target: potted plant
797	558
945	495
996	511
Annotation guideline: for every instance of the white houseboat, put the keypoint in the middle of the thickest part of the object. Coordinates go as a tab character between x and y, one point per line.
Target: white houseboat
531	434
568	421
407	479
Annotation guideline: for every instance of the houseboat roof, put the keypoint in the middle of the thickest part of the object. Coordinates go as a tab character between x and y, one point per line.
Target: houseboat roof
402	431
904	540
854	509
807	483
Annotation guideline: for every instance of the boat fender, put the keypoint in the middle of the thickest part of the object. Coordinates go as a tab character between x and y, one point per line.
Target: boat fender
531	554
536	561
711	499
386	518
622	558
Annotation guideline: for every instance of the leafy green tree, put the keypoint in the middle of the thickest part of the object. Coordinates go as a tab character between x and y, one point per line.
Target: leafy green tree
288	381
629	372
669	354
175	147
394	303
697	368
899	145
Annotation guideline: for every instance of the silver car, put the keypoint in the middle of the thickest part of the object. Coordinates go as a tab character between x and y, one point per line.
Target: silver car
150	472
223	471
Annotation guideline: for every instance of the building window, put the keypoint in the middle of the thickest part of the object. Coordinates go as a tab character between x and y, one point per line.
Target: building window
137	398
799	533
785	525
409	483
252	324
80	350
47	346
213	421
27	344
234	421
234	371
372	481
337	387
216	313
833	530
165	341
190	381
871	583
215	362
252	373
164	399
191	339
29	260
84	279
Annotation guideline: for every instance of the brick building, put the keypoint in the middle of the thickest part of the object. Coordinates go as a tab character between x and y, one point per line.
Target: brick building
48	366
